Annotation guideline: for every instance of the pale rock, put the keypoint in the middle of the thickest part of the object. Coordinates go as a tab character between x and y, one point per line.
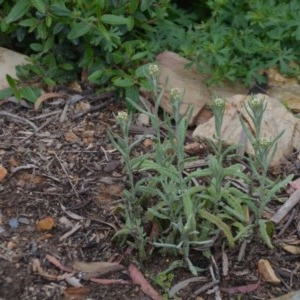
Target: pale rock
197	94
288	94
142	119
276	119
285	89
9	60
289	296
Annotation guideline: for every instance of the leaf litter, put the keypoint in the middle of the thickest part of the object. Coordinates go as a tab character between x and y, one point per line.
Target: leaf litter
78	190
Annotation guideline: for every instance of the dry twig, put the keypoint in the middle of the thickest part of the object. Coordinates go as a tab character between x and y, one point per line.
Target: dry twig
18	119
69	179
286	207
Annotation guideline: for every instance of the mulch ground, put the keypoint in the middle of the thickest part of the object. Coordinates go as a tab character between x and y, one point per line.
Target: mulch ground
64	173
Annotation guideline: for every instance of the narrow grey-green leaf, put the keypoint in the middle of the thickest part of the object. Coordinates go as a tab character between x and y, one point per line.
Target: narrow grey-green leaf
266	229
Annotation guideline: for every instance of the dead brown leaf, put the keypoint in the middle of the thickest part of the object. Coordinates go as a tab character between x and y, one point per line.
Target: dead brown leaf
75	86
241	289
57	263
139	279
112	165
45	97
13	162
148	143
266	271
45	237
3	173
295	184
45	224
182	284
36	266
194	148
290	248
70	136
80	293
94	269
113	190
27	176
109	281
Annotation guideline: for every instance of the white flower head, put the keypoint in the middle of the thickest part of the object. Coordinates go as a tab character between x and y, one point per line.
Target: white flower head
122	116
219	102
255	102
265	142
153	70
176	94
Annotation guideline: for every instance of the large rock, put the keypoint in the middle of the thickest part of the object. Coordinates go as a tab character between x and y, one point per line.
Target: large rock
9	60
285	89
173	70
276	119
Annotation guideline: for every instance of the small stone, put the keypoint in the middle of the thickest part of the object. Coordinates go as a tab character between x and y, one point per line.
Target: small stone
23	220
13	223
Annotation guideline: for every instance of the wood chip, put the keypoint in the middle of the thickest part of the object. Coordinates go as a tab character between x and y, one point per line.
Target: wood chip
267	272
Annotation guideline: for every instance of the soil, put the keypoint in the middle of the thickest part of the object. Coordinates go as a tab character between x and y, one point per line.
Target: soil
63	173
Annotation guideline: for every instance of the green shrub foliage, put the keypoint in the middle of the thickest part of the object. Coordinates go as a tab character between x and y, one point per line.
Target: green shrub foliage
108	39
242	38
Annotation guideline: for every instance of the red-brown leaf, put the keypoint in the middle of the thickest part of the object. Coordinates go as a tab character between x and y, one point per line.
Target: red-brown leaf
138	278
241	289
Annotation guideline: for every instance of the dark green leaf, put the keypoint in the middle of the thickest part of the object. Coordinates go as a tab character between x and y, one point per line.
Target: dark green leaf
67	66
28	22
60	10
4	26
78	30
49	81
123	82
8	92
18	11
96	75
12	83
48	21
130	23
133	5
30	94
142	71
21	33
36	47
39	5
118	57
48	44
139	55
132	93
145	4
114	20
42	31
58	27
